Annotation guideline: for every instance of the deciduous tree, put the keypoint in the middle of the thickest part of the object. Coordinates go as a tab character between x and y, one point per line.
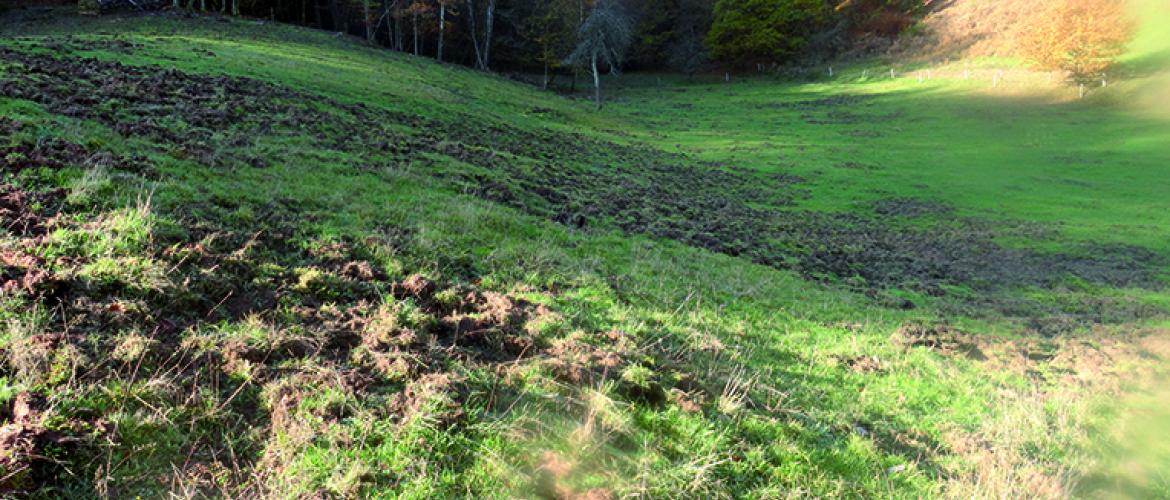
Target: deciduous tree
417	9
445	6
482	46
604	38
1083	37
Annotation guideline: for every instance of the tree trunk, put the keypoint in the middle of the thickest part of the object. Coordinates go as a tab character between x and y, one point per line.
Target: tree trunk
474	37
580	21
596	83
390	25
368	20
398	43
442	29
487	37
414	25
236	8
544	83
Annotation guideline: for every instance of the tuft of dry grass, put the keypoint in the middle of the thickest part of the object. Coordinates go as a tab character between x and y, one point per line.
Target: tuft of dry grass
1044	439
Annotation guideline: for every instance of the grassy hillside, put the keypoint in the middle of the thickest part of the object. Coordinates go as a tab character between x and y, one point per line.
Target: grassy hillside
249	259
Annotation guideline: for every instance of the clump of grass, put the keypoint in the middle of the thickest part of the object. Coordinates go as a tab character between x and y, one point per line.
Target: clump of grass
96	183
32	361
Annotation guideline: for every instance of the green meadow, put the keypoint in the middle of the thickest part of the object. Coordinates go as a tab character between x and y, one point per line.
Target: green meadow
260	260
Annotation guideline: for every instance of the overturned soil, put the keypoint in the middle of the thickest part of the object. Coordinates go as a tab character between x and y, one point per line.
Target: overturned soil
578	181
327	309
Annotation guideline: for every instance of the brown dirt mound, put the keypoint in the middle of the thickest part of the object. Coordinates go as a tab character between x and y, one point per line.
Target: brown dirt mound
54	153
939	338
21	211
29	450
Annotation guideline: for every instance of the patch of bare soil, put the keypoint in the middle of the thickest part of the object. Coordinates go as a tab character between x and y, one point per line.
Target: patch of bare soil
863	364
30	445
1067	361
54	153
822	103
22	212
939	338
910	207
68	44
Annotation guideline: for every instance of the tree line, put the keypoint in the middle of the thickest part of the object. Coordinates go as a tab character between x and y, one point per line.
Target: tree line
570	39
547	35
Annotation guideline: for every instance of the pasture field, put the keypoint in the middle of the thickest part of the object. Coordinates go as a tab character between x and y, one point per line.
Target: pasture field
243	258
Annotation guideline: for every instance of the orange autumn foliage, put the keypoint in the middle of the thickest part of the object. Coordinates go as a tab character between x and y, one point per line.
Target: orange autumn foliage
1083	37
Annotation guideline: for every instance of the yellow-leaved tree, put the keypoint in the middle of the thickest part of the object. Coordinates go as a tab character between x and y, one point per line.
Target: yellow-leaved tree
1083	37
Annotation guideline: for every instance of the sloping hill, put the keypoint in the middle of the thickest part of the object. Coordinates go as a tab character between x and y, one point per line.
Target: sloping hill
971	29
247	259
975	29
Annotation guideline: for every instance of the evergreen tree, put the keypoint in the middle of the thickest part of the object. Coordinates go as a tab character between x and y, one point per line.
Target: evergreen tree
763	31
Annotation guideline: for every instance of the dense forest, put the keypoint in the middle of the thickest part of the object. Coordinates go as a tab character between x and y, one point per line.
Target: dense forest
541	35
